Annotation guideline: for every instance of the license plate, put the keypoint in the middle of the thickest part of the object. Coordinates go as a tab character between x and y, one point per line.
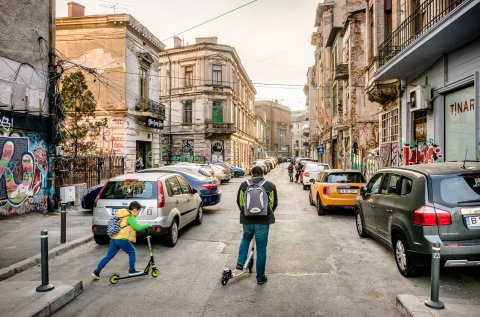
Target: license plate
347	191
473	221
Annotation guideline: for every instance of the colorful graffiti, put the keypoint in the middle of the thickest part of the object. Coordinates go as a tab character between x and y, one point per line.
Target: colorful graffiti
23	174
188	158
425	153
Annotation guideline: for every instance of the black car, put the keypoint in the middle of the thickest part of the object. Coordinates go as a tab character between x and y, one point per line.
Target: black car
408	208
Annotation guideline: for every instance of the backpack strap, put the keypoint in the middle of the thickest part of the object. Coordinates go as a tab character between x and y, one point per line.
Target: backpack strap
248	183
262	183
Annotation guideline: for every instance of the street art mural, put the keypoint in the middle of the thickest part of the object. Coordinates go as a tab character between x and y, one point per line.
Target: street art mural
23	174
425	153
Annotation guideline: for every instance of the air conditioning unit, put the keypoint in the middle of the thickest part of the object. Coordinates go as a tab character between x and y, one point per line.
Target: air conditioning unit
420	98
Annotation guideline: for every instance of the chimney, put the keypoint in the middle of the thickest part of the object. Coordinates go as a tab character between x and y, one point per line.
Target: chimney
177	42
211	39
75	10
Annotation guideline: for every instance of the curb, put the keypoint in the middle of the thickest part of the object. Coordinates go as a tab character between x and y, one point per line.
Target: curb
24	265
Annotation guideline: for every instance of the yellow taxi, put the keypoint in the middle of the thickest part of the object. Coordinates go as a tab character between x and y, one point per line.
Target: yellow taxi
335	188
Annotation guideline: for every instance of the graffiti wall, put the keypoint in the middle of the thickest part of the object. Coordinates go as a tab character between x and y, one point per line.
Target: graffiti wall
23	174
422	153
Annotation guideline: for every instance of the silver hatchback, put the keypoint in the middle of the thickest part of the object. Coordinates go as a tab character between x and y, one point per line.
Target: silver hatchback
170	203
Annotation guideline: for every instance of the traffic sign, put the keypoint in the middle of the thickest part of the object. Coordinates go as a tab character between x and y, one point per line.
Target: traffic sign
320	149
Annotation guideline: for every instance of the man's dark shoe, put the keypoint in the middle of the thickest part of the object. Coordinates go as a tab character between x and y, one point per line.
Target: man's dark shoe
239	267
262	281
134	272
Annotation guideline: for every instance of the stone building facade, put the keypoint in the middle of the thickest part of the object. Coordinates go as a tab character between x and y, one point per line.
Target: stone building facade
348	120
209	104
278	135
26	134
300	140
119	57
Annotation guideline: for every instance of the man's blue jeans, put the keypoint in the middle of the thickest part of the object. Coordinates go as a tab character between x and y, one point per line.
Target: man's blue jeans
261	239
115	246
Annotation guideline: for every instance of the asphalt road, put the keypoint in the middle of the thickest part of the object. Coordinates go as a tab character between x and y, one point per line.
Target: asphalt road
317	266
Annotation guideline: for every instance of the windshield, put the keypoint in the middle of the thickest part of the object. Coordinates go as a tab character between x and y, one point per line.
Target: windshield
129	189
345	178
457	189
204	172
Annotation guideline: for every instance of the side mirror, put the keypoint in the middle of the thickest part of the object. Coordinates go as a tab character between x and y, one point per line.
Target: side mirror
363	191
194	191
312	181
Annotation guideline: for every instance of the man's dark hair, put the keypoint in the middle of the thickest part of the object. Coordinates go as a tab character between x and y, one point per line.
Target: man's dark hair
135	205
257	171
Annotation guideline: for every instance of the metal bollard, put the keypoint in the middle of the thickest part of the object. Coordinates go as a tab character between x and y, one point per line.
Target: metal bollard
433	302
45	287
63	224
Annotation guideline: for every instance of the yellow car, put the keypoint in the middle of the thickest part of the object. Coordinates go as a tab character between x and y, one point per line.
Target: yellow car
335	188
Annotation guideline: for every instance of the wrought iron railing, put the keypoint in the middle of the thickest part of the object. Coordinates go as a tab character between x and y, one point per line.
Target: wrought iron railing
428	14
222	127
89	170
151	106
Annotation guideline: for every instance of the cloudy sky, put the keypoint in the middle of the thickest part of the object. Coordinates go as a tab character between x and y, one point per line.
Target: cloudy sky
272	37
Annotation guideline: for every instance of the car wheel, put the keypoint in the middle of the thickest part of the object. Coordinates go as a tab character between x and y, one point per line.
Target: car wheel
305	187
359	223
402	258
236	174
172	236
101	240
320	209
199	219
311	199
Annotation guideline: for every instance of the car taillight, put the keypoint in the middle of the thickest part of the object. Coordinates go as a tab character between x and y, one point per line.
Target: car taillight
209	186
326	190
306	174
99	194
161	195
429	216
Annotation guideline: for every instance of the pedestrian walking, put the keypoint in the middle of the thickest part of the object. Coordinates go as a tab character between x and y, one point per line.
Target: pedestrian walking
298	169
256	216
139	163
290	169
124	238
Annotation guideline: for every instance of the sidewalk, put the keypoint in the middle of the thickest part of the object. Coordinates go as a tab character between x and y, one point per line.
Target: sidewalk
21	250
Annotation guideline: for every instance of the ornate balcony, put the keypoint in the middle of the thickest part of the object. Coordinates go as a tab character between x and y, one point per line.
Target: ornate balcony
152	107
339	123
216	128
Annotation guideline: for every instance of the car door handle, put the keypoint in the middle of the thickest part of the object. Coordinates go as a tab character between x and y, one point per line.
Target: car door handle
390	211
372	206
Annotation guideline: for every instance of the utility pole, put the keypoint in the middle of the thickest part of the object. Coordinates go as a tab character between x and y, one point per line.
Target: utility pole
170	138
51	95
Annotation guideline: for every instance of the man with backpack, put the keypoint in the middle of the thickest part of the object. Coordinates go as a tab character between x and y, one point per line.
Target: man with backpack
122	233
257	200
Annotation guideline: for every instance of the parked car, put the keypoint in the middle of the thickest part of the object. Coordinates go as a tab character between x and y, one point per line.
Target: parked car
198	165
238	172
225	165
170	203
89	197
221	173
335	188
311	171
208	187
260	163
408	208
193	167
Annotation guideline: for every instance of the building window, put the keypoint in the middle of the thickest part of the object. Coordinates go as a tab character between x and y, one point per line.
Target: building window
188	76
370	33
217	112
390	126
217	75
187	112
388	17
143	83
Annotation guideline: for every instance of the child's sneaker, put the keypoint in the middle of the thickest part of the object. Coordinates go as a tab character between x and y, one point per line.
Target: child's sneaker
134	272
95	275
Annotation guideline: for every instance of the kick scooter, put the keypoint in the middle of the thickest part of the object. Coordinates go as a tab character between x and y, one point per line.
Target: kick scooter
248	265
150	265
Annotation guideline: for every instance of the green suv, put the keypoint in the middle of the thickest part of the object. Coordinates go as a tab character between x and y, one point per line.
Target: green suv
408	208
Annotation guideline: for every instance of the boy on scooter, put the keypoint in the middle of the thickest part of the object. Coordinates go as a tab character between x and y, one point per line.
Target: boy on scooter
124	238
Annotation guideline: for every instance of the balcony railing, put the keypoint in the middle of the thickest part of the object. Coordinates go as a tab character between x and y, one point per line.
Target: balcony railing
340	71
216	127
152	106
339	123
428	14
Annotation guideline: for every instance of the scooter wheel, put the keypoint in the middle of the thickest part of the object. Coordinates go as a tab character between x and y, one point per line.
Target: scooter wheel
225	277
250	265
155	272
114	278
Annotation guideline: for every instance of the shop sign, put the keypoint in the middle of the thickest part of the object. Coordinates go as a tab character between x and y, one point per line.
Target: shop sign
154	123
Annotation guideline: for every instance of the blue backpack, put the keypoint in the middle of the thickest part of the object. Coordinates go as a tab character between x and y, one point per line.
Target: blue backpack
255	200
113	226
